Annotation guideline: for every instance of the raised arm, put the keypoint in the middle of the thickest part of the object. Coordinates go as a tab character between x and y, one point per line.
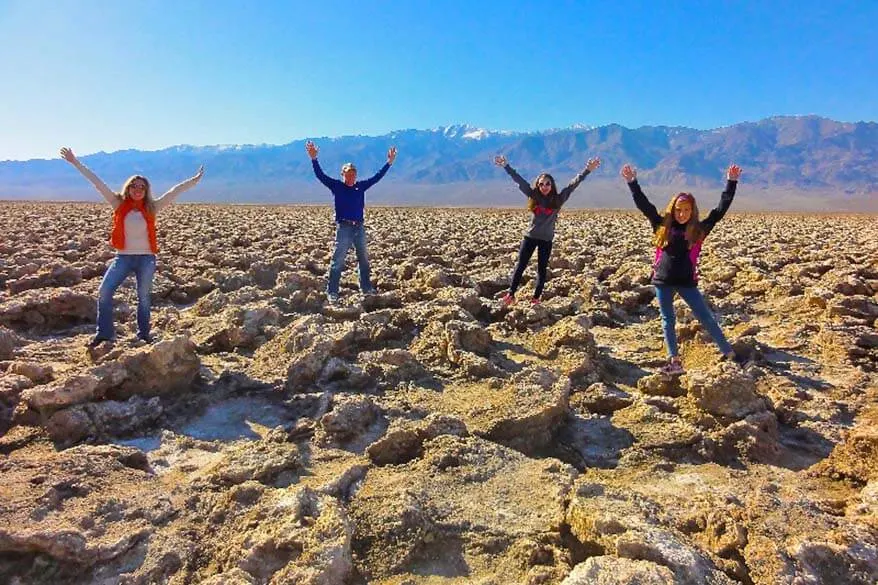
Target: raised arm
725	200
171	194
567	191
523	185
111	197
312	150
391	156
646	208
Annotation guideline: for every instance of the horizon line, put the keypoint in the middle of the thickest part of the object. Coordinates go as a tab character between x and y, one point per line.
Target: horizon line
585	127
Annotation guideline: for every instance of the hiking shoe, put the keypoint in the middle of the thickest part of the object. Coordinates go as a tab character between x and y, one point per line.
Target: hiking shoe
508	300
672	368
96	341
371	292
332	298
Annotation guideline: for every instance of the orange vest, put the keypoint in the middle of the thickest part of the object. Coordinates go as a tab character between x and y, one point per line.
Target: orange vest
117	236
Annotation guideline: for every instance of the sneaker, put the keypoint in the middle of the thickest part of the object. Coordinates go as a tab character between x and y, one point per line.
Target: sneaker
508	300
535	301
147	339
672	368
96	341
332	298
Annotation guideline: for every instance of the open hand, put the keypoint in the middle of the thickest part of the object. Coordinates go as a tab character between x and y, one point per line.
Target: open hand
592	164
629	173
500	160
391	155
734	172
312	149
68	155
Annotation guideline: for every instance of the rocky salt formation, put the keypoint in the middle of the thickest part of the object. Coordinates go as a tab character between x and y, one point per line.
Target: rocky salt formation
429	434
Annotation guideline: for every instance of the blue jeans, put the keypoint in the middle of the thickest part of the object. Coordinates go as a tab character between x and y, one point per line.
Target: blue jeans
696	302
143	267
347	235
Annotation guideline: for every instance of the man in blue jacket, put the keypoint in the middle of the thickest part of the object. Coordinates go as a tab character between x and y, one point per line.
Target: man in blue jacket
350	202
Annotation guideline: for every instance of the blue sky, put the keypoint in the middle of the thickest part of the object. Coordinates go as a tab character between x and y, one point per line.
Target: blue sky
115	74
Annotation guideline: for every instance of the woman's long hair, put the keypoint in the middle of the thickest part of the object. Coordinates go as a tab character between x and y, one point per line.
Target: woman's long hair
148	202
694	230
552	200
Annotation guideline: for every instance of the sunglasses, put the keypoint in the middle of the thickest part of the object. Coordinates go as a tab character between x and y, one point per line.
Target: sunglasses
544	184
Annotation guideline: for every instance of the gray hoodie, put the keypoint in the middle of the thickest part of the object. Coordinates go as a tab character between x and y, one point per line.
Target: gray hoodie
542	224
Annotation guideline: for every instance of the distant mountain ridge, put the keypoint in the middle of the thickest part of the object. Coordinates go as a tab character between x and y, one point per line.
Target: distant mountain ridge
790	162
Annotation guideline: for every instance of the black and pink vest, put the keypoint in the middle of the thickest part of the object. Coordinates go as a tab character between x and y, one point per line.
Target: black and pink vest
677	264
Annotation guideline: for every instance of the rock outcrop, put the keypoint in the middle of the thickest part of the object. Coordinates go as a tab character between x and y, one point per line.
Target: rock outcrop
429	433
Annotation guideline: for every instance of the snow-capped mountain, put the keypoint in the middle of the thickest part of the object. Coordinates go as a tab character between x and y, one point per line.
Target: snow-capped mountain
807	155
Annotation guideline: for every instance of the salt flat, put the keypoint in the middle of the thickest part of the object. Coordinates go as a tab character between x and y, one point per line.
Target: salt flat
428	434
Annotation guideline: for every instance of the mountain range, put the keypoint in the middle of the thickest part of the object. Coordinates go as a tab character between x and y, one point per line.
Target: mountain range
804	163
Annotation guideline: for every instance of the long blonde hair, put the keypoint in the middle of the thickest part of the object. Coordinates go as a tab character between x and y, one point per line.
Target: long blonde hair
694	230
148	201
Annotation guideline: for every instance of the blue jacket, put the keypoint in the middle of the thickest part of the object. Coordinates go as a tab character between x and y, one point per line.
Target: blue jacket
349	201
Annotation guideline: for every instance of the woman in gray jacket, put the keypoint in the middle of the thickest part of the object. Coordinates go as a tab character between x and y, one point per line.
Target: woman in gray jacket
544	202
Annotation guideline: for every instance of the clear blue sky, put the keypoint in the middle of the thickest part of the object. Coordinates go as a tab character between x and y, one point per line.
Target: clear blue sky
115	74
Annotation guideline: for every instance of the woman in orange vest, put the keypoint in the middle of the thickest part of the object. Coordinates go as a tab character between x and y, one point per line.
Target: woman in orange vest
134	238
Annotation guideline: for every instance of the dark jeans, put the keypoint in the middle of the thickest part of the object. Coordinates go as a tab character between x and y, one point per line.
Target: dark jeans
347	235
696	302
143	268
528	245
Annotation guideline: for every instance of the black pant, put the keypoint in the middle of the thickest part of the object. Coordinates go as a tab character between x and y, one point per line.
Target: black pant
527	249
